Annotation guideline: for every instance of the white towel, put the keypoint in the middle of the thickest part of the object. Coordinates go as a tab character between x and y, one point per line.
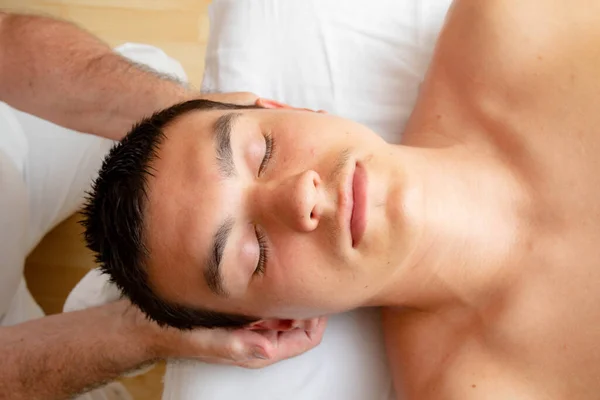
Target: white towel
93	290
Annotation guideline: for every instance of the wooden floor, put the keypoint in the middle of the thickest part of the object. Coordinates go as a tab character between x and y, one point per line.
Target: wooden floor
180	28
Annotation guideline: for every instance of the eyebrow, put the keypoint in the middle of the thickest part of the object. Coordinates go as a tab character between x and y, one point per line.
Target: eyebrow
212	273
222	134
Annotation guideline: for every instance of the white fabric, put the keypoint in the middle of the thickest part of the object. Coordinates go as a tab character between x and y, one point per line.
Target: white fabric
93	290
363	61
44	173
154	58
349	364
13	207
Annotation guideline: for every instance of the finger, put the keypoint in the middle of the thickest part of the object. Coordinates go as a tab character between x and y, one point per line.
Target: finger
318	330
222	344
242	345
244	98
241	98
309	324
283	345
270	103
233	347
295	342
290	344
254	349
273	104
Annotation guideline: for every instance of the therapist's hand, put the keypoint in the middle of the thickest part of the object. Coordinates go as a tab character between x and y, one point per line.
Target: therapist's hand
249	99
241	98
246	348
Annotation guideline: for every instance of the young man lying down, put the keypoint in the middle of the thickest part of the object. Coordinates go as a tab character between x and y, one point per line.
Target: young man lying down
478	235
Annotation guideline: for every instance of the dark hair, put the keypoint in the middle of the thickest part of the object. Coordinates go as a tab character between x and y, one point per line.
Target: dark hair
114	220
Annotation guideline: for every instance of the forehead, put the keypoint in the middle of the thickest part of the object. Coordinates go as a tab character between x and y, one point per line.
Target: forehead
183	206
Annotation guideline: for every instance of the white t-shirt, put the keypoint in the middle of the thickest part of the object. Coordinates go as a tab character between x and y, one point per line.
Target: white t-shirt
13	206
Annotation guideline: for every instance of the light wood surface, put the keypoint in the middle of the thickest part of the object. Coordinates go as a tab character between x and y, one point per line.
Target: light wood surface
180	28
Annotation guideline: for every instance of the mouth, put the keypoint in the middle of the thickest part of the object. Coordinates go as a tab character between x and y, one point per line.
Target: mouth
358	221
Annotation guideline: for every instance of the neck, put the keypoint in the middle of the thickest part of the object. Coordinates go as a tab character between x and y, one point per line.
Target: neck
461	211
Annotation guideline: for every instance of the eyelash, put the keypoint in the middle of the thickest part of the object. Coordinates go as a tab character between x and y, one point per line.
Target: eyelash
268	153
260	236
263	253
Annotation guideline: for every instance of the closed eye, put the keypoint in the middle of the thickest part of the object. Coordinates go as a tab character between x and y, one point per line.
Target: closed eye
260	235
269	146
263	254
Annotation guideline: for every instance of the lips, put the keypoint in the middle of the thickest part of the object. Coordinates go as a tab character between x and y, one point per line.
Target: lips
358	219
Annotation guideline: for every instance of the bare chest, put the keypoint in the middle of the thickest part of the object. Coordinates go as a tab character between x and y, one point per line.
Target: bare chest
537	110
542	344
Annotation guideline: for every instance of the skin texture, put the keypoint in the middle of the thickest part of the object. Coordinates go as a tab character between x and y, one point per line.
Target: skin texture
78	94
297	202
514	86
59	72
482	234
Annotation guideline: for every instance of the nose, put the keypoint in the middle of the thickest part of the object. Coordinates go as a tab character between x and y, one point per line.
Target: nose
295	201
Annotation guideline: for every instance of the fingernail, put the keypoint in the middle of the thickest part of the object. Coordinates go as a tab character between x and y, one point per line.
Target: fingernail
259	353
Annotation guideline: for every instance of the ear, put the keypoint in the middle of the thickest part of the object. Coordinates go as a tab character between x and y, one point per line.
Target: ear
282	325
276	105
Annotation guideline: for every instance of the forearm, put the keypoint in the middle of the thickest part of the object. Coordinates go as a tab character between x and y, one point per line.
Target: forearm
61	73
62	355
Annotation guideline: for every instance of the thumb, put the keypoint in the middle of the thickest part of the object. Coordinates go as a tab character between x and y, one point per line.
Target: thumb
241	345
241	98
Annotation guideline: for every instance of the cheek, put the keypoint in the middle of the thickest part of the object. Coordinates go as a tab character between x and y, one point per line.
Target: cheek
298	155
301	282
298	271
302	143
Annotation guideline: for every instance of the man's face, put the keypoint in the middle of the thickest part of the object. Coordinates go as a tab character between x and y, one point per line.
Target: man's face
270	213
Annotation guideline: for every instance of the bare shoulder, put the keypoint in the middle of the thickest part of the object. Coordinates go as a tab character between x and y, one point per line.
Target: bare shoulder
515	61
498	60
511	37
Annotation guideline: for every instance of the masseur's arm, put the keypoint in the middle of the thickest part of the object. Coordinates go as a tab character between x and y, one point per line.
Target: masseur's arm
62	355
61	73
